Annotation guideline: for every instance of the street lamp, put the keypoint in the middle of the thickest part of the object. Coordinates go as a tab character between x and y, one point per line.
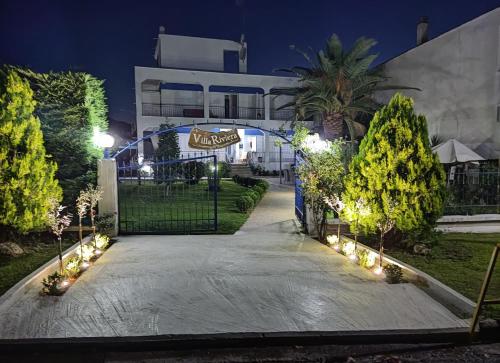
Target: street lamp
104	141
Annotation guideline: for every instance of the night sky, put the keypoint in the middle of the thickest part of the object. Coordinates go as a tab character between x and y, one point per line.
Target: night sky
107	38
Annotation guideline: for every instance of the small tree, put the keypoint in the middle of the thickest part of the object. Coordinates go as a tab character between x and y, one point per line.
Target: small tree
168	144
321	176
336	204
58	223
27	181
396	173
355	211
94	195
82	205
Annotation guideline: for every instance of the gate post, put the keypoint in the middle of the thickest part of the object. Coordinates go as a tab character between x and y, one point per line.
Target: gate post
108	181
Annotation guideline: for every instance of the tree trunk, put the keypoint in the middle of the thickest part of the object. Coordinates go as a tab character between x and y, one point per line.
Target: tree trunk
333	126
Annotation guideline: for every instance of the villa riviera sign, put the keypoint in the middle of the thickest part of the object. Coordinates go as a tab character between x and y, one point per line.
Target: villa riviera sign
200	139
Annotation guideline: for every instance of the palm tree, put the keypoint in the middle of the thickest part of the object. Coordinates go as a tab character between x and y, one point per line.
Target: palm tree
338	86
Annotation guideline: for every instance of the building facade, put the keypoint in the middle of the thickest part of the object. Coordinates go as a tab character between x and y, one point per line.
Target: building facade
458	74
203	83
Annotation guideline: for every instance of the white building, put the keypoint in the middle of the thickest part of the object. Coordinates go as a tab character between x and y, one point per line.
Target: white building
199	81
458	73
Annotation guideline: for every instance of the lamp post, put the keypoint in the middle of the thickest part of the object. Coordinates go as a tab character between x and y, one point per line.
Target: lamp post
104	141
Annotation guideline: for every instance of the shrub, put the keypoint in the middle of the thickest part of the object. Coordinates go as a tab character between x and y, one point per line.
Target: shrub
72	267
27	183
51	285
393	274
259	190
86	253
224	169
263	184
101	241
244	203
254	195
366	258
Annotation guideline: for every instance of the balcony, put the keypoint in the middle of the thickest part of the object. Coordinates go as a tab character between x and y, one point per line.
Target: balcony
246	113
172	110
216	111
285	114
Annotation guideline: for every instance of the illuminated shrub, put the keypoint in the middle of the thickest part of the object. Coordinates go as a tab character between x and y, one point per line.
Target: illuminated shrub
348	248
101	241
86	253
72	267
366	258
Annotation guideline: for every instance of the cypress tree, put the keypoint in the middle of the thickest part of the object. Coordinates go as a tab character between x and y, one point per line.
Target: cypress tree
27	182
168	144
70	106
395	172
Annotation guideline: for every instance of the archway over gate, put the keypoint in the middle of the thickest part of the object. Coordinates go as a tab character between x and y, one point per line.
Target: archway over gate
166	196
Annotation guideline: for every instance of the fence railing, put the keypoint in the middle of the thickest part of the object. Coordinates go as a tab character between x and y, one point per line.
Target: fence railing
286	114
248	113
172	110
273	156
473	192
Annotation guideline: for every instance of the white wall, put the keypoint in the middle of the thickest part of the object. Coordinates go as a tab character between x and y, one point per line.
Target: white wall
176	51
458	73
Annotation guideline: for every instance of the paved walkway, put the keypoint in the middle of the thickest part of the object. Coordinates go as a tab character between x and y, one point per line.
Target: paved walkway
266	278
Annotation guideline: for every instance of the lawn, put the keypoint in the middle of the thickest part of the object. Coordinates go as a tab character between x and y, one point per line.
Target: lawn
179	208
460	261
13	269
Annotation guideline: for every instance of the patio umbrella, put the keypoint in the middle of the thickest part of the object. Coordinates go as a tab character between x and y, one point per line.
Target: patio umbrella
453	151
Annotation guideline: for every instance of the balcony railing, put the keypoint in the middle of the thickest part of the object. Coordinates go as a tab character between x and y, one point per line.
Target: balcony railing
286	114
247	113
172	110
216	111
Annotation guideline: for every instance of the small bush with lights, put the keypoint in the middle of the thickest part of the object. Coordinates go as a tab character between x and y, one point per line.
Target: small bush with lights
86	253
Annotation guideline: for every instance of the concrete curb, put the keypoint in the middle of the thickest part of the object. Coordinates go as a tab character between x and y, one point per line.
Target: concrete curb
36	277
233	340
451	299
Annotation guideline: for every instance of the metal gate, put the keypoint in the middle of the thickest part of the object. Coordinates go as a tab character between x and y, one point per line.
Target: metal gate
168	196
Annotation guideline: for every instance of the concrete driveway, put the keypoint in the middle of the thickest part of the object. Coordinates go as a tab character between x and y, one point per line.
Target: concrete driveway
266	278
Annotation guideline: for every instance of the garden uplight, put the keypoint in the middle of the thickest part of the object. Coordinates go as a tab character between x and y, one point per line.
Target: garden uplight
377	271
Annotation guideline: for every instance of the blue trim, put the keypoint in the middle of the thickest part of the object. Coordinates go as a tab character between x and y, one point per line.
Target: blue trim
241	90
251	132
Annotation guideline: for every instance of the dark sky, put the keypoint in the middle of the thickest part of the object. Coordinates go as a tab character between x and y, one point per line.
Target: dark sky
107	38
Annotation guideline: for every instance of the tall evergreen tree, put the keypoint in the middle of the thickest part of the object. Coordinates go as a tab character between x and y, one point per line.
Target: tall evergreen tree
70	106
27	183
395	172
168	144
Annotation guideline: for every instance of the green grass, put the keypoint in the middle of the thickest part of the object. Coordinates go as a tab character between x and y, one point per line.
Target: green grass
14	269
179	208
460	261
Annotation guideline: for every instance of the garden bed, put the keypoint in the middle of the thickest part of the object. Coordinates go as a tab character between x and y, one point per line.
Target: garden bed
14	269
